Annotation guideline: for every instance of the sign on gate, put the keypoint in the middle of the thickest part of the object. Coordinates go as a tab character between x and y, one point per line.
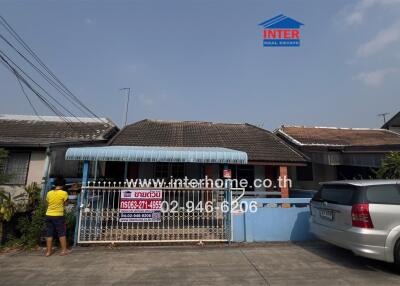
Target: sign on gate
140	206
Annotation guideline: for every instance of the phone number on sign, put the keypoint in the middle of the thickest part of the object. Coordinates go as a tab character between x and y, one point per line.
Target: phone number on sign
209	206
140	205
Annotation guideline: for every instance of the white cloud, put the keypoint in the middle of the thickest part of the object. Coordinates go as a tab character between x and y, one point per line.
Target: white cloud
380	41
377	77
354	18
357	13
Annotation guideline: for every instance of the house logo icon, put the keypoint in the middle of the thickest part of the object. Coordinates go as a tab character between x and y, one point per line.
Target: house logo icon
127	194
281	31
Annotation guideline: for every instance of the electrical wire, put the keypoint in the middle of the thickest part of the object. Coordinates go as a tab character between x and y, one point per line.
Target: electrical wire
49	80
5	57
34	55
22	79
4	60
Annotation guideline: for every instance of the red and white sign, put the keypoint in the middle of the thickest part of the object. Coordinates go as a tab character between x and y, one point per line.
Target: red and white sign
140	206
128	205
227	174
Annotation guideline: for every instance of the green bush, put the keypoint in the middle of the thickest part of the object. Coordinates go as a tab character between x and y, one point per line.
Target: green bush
3	159
70	220
31	227
390	168
30	223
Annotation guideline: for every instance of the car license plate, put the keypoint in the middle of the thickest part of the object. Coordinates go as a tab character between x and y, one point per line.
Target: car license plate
326	214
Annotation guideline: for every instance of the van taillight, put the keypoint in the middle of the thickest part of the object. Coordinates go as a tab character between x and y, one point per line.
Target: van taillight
360	216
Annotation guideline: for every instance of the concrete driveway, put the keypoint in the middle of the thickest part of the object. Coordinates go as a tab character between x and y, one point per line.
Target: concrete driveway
263	264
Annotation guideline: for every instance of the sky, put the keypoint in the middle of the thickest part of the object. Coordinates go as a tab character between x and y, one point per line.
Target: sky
204	60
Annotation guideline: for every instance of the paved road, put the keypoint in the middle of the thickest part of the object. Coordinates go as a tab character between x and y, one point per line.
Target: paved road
264	264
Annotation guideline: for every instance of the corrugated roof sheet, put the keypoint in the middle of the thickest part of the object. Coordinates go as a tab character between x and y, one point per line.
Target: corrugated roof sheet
158	154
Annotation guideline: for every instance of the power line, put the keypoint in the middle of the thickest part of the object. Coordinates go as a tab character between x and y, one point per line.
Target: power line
20	78
49	80
4	60
41	97
9	28
27	98
4	57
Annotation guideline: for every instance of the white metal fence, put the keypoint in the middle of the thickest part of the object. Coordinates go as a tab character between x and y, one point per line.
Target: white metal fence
176	215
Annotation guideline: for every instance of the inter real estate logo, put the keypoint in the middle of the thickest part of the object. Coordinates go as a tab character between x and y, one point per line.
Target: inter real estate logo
281	31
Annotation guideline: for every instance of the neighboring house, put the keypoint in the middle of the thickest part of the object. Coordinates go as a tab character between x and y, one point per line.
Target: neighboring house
268	156
37	146
337	153
393	123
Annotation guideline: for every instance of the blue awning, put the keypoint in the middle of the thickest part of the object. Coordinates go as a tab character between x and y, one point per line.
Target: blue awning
158	154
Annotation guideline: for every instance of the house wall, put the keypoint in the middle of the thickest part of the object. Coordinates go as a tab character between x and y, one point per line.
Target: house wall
36	167
199	171
60	167
259	173
194	171
15	191
146	170
321	173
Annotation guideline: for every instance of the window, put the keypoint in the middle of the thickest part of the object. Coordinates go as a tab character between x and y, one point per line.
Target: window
305	173
168	170
17	168
336	194
161	170
384	194
177	171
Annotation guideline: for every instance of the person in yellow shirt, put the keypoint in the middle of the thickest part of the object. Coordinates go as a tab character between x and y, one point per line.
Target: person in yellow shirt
55	220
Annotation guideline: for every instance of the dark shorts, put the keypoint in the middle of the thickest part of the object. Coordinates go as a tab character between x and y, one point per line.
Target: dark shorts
55	224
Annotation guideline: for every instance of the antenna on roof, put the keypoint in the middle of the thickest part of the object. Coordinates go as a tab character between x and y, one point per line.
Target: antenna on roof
127	103
383	115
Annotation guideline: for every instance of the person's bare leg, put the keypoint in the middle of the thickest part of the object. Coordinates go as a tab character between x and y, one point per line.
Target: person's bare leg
63	244
49	246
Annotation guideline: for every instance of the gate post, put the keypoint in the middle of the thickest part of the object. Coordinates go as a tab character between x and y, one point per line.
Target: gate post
85	176
228	198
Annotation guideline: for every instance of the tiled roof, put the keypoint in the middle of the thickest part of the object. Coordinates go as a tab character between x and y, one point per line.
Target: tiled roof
22	130
259	144
393	122
332	136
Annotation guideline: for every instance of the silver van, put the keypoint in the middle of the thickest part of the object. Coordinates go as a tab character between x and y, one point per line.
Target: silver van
362	216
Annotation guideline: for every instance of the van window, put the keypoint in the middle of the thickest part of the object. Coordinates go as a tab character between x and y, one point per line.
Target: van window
336	194
384	194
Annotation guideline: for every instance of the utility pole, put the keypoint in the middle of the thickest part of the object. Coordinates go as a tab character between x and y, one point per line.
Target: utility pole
383	115
127	103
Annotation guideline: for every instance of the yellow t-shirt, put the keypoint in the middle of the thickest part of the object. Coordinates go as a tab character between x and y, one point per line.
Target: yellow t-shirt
55	202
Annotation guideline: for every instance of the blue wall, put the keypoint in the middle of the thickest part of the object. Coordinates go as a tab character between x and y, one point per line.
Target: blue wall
274	223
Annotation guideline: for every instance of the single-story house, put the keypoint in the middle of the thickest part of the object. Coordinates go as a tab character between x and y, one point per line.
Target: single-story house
36	146
267	156
393	123
337	153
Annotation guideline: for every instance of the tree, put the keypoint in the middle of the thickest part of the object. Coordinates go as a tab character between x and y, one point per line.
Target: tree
3	160
7	207
390	168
